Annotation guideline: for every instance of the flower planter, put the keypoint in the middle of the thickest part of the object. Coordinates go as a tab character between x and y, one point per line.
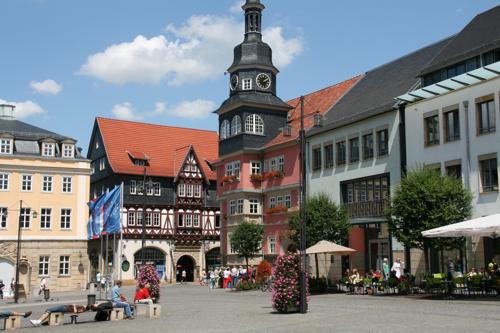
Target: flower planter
256	178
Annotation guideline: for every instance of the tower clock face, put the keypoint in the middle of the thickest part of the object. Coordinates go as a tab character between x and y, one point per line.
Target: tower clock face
234	81
263	81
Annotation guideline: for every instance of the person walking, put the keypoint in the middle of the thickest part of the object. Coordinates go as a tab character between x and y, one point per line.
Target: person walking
1	289
119	300
184	276
396	268
234	276
43	286
451	269
385	269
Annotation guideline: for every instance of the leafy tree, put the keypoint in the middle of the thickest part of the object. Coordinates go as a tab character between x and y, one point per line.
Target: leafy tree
325	220
246	239
424	200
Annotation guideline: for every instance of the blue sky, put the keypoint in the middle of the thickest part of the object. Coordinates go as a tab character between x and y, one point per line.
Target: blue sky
65	62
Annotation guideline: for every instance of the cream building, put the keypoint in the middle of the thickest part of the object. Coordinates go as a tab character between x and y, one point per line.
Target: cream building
44	186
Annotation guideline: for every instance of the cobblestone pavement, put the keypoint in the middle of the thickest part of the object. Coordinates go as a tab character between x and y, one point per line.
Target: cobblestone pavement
190	308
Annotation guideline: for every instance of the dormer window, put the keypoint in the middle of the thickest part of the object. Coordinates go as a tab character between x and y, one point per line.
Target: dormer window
48	149
247	84
6	146
254	124
68	150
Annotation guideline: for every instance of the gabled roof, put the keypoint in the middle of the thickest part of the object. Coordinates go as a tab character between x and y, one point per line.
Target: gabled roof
23	131
482	34
166	146
319	101
374	94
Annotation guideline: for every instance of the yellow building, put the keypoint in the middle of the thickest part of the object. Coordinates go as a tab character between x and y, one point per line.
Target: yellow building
44	186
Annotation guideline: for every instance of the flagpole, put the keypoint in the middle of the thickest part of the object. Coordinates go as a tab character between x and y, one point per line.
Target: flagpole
120	243
101	267
106	264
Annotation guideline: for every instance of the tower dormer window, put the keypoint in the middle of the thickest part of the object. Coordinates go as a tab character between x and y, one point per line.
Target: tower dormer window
48	149
68	150
247	84
254	124
6	146
225	130
236	125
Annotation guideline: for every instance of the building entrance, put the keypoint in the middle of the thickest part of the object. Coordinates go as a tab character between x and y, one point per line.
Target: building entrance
150	256
185	263
378	250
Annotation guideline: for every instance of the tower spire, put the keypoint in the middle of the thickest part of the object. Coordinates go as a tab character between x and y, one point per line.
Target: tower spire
253	19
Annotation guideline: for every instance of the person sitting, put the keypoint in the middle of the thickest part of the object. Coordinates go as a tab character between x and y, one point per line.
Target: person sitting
8	313
119	300
142	295
473	272
68	308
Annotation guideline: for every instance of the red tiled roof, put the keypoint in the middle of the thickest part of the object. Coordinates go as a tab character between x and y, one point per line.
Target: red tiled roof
166	146
320	101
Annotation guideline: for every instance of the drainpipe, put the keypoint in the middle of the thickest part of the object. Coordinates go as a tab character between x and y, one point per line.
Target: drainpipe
467	173
403	166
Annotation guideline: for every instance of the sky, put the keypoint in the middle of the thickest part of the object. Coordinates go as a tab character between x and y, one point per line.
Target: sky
64	62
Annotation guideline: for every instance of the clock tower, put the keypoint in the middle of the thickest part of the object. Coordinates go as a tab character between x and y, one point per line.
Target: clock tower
253	114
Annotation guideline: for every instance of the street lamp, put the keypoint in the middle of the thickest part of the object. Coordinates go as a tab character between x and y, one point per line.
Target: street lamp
302	239
171	246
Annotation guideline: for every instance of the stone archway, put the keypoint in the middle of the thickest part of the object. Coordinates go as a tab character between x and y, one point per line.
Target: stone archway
7	273
152	256
186	263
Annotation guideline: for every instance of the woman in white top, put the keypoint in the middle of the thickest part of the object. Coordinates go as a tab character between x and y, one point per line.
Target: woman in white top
396	267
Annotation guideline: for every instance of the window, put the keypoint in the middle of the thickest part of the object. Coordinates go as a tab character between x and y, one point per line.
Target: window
25	218
3	217
328	156
133	187
225	130
47	183
254	206
67	184
5	146
272	202
489	175
232	207
131	219
236	125
255	167
197	191
247	84
181	188
233	169
196	220
43	266
316	155
454	171
353	150
180	220
189	190
68	150
4	181
65	218
48	149
288	201
189	220
102	164
341	152
367	146
279	201
431	130
149	219
64	265
139	219
45	218
239	206
452	126
254	124
486	117
272	244
26	183
277	163
156	220
382	142
157	189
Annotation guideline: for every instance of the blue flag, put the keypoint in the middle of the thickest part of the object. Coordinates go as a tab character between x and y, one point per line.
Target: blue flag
111	212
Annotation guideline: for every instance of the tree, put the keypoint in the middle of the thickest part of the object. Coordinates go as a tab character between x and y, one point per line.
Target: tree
424	200
325	220
246	240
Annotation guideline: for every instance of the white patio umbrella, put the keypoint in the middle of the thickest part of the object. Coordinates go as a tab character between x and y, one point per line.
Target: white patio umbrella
486	226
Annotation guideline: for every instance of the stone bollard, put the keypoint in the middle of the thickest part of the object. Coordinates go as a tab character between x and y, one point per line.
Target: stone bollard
154	311
56	319
12	323
117	314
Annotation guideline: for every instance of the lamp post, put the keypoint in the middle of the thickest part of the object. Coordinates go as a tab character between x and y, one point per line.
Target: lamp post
302	240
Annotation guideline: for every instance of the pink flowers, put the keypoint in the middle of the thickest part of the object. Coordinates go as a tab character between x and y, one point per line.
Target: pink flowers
286	288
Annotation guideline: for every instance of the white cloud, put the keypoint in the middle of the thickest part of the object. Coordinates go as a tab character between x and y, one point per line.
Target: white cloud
236	7
198	50
25	109
125	111
198	109
49	87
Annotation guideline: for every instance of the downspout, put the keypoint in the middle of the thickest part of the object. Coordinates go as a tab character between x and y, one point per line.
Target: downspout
468	240
403	166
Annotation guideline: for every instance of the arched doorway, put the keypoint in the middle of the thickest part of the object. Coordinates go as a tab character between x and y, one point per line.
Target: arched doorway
213	259
150	256
7	272
185	263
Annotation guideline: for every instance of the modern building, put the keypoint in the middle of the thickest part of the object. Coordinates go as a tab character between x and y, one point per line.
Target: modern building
44	185
453	122
182	220
258	170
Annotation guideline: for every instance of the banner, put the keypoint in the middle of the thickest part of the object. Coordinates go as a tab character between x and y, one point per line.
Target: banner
105	214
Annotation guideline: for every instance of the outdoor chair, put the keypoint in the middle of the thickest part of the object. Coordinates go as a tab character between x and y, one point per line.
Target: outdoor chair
475	284
459	285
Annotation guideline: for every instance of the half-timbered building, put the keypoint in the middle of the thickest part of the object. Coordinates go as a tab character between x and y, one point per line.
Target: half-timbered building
164	171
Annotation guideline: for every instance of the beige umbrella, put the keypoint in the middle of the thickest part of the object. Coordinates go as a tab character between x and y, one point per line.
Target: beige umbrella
327	247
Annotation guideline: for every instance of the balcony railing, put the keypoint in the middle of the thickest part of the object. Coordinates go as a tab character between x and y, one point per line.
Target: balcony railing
367	209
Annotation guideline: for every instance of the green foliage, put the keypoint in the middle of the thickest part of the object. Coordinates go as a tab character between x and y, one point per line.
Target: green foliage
246	239
424	200
325	220
245	285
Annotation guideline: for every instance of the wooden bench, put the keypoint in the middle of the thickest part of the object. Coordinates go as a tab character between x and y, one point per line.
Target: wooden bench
56	319
12	323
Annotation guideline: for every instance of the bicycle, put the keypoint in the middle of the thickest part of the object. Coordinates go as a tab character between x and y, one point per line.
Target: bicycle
267	285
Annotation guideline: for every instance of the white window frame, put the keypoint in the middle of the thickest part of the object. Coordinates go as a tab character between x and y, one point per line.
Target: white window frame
157	189
196	219
197	191
232	207
254	124
4	215
189	219
271	241
43	265
65	219
236	125
279	201
131	219
133	187
181	189
246	84
272	202
156	219
149	219
189	190
139	218
68	150
225	129
26	183
239	206
67	184
228	169
288	201
150	191
255	167
48	149
47	183
64	265
25	218
45	218
6	146
4	181
254	206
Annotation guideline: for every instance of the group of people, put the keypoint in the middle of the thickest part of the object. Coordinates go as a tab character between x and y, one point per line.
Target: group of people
396	271
226	277
492	270
2	287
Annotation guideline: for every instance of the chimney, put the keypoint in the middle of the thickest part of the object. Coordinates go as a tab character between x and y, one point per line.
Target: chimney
7	111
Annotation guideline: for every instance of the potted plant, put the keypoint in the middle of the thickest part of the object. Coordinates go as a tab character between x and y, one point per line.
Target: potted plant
256	177
286	287
149	276
229	179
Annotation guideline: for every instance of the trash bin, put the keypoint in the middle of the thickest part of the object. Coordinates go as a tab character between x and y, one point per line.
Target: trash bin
91	299
46	294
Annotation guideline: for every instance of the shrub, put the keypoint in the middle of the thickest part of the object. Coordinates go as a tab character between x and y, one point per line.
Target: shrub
148	275
264	270
286	287
245	285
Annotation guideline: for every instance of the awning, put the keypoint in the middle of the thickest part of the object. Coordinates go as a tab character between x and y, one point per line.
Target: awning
475	76
329	247
486	226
